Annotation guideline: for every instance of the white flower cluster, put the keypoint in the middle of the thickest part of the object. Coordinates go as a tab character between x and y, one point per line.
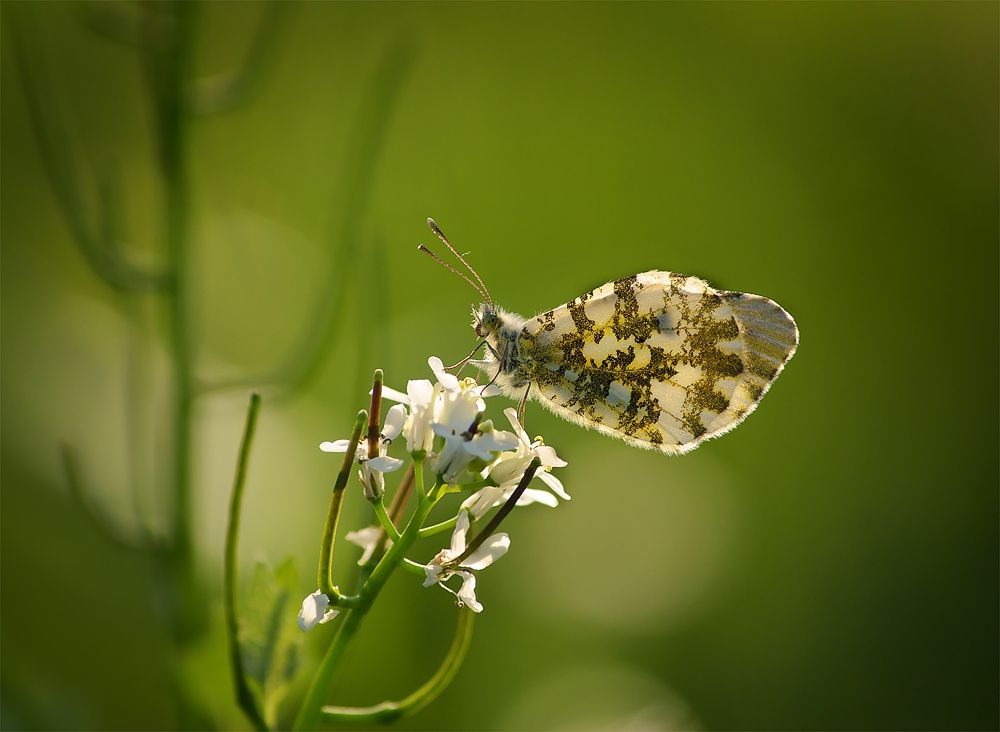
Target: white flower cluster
442	421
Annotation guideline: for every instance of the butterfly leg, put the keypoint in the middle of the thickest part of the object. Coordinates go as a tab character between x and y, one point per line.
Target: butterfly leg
499	360
521	404
461	364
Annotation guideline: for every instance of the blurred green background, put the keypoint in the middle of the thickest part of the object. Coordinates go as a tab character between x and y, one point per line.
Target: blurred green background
833	564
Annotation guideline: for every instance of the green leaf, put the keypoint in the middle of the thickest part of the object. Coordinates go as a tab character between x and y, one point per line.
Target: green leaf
270	639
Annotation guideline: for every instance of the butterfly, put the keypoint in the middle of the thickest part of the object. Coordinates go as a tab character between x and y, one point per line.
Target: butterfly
660	360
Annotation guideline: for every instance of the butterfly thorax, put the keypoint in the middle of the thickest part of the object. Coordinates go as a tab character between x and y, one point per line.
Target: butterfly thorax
501	331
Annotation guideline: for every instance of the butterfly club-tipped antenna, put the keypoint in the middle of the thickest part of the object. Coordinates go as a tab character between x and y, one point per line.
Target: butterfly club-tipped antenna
447	266
482	289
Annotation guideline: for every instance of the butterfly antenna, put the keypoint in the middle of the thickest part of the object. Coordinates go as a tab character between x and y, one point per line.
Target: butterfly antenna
444	264
440	235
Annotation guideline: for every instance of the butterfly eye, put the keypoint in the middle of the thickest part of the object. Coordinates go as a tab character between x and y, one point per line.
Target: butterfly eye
488	322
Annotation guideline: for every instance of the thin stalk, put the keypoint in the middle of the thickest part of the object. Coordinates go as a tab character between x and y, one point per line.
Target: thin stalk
311	709
374	414
244	696
325	570
389	711
385	522
438	528
169	78
414	567
418	479
396	509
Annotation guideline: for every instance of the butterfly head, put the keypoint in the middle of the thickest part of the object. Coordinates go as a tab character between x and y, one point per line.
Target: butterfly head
486	321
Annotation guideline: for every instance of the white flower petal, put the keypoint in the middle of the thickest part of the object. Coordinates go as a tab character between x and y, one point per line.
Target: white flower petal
480	448
393	395
433	572
533	495
509	467
511	414
554	483
548	457
458	535
395	418
363	537
449	454
417	428
484	499
384	464
419	392
490	551
458	413
442	430
316	609
467	593
498	440
366	538
448	381
336	446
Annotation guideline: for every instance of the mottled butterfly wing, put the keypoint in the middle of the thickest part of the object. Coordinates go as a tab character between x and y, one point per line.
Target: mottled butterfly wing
660	360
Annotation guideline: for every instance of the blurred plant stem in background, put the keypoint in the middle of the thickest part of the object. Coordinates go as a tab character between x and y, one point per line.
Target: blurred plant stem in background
164	38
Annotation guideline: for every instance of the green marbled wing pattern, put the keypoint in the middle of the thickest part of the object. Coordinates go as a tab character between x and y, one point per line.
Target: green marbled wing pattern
660	360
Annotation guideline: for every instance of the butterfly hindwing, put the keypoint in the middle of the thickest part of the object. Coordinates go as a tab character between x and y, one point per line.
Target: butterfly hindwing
660	360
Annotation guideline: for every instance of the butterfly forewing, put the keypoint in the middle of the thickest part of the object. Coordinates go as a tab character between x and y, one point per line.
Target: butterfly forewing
660	360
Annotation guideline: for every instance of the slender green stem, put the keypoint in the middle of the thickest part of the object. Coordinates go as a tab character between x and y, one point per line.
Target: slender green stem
413	567
245	697
397	508
438	528
169	72
418	478
384	520
310	711
374	486
325	571
351	601
396	552
390	711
